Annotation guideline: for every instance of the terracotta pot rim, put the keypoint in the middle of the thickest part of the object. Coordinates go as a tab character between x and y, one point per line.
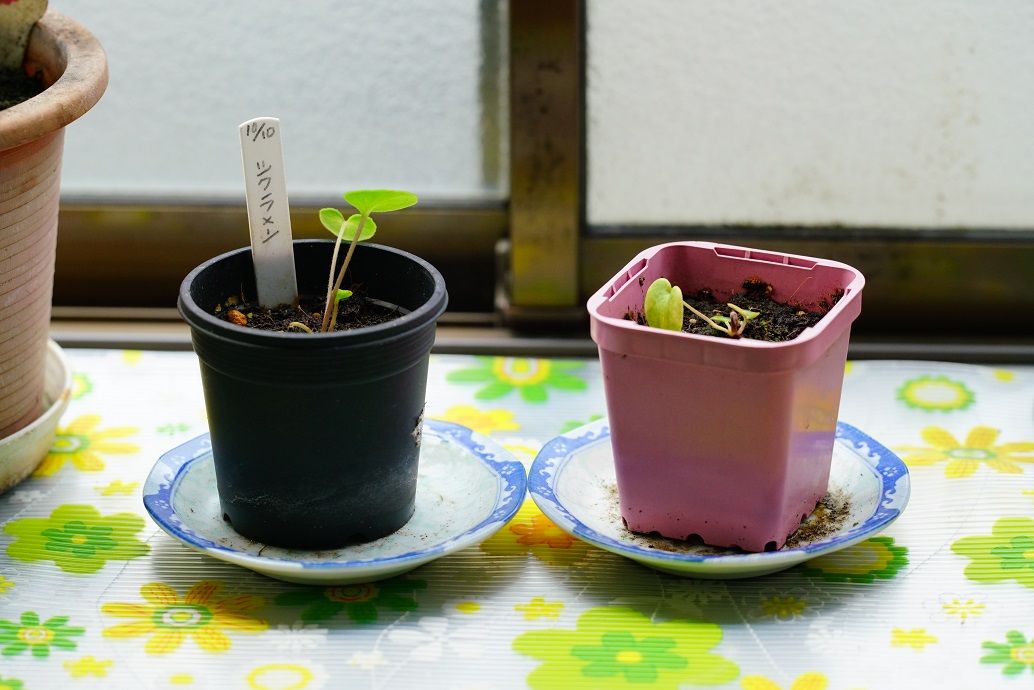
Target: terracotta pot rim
63	47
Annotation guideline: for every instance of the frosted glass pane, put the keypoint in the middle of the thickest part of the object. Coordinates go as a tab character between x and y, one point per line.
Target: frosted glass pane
888	113
401	94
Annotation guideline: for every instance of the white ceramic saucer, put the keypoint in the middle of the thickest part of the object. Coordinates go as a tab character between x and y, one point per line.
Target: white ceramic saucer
467	488
572	480
24	450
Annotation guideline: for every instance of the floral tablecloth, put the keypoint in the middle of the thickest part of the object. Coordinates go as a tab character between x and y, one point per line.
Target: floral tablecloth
93	595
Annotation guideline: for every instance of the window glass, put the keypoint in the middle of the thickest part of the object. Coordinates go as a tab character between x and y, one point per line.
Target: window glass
404	94
895	114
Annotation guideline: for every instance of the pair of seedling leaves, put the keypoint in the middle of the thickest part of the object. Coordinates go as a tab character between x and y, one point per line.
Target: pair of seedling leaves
356	228
664	309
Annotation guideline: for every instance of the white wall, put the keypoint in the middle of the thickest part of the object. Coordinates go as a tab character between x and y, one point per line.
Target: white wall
894	112
370	94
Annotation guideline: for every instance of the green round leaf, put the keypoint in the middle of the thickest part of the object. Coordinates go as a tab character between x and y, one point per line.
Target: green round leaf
380	200
332	219
342	295
663	305
347	228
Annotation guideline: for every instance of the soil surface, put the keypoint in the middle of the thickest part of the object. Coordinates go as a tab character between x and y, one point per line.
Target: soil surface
357	311
16	86
776	323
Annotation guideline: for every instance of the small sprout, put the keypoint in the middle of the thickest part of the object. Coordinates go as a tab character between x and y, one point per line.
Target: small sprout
298	325
358	227
230	301
218	308
235	316
800	313
734	324
663	305
339	296
747	314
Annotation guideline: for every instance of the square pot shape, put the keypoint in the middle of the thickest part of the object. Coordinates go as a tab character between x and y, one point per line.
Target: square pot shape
730	440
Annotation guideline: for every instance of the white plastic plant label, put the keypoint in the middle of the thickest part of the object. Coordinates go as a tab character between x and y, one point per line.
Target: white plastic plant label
269	218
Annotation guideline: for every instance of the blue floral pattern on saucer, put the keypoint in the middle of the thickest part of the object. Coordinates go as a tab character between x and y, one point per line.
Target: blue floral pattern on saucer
572	480
467	488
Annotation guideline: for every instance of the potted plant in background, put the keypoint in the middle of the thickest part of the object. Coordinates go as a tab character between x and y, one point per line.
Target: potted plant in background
316	435
714	433
72	70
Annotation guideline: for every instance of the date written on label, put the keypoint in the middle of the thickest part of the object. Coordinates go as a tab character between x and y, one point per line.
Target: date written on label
255	130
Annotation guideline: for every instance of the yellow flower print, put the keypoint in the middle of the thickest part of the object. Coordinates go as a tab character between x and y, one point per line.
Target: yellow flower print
117	487
1004	375
963	609
82	444
88	666
481	421
282	676
530	531
965	458
916	638
538	608
807	681
201	614
5	584
784	608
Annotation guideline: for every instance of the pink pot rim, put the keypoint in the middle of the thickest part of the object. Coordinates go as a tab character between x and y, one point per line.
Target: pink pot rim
835	315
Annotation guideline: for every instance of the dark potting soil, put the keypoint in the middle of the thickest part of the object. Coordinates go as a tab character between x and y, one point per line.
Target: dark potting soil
16	86
357	311
777	322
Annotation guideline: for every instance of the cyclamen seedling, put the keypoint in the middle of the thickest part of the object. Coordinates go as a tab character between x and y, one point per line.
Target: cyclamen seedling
664	309
358	227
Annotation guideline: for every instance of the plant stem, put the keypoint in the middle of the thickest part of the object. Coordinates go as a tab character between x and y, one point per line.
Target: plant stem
330	312
299	325
330	283
712	324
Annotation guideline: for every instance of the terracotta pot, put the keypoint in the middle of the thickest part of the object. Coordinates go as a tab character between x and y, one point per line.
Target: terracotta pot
75	71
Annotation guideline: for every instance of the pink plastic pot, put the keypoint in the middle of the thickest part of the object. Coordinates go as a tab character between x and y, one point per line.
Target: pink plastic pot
727	439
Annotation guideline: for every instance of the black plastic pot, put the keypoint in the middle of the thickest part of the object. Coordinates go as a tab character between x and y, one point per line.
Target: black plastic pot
316	437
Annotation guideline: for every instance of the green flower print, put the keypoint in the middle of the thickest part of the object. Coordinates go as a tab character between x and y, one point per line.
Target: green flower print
1006	554
532	377
876	558
361	602
173	429
572	424
81	387
30	634
10	684
618	648
1016	653
935	394
77	538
